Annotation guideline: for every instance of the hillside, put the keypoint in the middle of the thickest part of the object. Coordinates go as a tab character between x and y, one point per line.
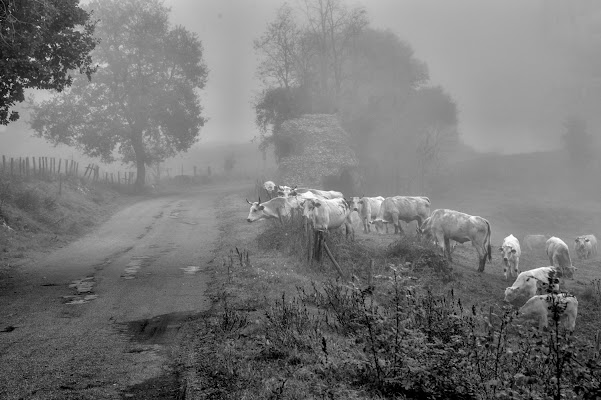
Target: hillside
523	193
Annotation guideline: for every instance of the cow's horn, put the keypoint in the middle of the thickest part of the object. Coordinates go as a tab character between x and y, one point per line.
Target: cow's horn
249	202
259	199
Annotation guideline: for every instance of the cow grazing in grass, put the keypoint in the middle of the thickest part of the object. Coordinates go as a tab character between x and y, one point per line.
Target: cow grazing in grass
402	208
511	256
278	207
585	246
329	214
367	208
529	283
546	305
532	242
446	225
559	255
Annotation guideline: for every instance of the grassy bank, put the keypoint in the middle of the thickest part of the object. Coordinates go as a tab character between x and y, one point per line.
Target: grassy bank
420	327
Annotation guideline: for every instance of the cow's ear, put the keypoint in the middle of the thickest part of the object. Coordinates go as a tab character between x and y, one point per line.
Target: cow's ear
587	240
261	208
317	204
360	201
513	251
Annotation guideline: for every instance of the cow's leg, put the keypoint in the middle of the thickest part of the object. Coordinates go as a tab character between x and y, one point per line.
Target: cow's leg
366	223
447	248
396	223
505	268
481	256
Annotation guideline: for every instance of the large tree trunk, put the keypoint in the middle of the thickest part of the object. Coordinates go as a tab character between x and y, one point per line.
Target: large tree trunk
138	145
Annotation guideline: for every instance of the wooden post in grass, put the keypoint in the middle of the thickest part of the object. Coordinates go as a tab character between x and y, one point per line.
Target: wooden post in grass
27	166
59	166
329	253
12	167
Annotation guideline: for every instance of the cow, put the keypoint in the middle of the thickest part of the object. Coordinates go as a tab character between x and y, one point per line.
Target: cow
402	208
542	307
511	255
329	214
367	208
286	191
278	207
535	241
445	225
559	255
529	283
585	246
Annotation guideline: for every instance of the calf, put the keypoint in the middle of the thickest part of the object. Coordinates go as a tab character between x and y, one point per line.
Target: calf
446	225
545	305
529	283
511	255
585	246
559	255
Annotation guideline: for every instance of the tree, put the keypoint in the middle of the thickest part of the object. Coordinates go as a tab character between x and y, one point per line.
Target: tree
142	103
578	143
40	43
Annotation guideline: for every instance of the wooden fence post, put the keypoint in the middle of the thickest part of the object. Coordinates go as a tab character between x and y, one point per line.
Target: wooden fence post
27	167
60	160
12	167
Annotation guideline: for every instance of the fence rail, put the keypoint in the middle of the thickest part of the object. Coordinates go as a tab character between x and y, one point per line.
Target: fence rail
59	167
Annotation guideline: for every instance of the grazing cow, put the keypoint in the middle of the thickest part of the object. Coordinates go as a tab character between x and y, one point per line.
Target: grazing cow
511	255
402	208
542	307
529	283
329	214
278	207
535	241
446	225
326	194
559	254
585	246
367	208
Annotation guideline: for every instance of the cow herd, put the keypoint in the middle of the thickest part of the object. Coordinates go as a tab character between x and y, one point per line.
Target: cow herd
537	289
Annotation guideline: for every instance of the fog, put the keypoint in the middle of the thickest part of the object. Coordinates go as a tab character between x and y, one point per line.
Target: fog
516	69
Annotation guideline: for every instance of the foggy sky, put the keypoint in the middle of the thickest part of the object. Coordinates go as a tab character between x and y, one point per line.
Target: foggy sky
490	56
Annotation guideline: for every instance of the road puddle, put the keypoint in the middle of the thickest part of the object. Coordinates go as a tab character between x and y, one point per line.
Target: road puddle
84	288
191	269
134	265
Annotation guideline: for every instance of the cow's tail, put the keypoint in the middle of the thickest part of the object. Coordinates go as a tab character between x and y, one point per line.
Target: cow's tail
488	249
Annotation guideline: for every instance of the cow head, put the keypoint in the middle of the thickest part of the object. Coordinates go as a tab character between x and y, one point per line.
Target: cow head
355	203
256	211
508	252
269	186
286	191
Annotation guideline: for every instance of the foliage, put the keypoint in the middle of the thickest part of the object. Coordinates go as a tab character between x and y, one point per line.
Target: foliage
324	58
578	143
40	43
142	102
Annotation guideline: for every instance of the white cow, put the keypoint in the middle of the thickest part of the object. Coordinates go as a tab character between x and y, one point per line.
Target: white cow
532	242
367	208
529	283
542	307
446	225
402	208
278	207
287	191
329	214
511	255
585	246
559	254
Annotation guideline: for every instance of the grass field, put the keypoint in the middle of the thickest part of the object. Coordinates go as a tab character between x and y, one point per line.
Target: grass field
284	328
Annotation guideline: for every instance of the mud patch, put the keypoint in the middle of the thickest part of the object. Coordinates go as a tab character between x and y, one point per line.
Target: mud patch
167	386
134	265
157	330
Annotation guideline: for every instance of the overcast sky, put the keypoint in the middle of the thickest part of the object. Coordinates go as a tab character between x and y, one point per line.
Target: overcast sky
487	54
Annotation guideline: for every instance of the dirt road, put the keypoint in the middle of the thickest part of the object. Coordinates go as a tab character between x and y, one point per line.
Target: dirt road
97	317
